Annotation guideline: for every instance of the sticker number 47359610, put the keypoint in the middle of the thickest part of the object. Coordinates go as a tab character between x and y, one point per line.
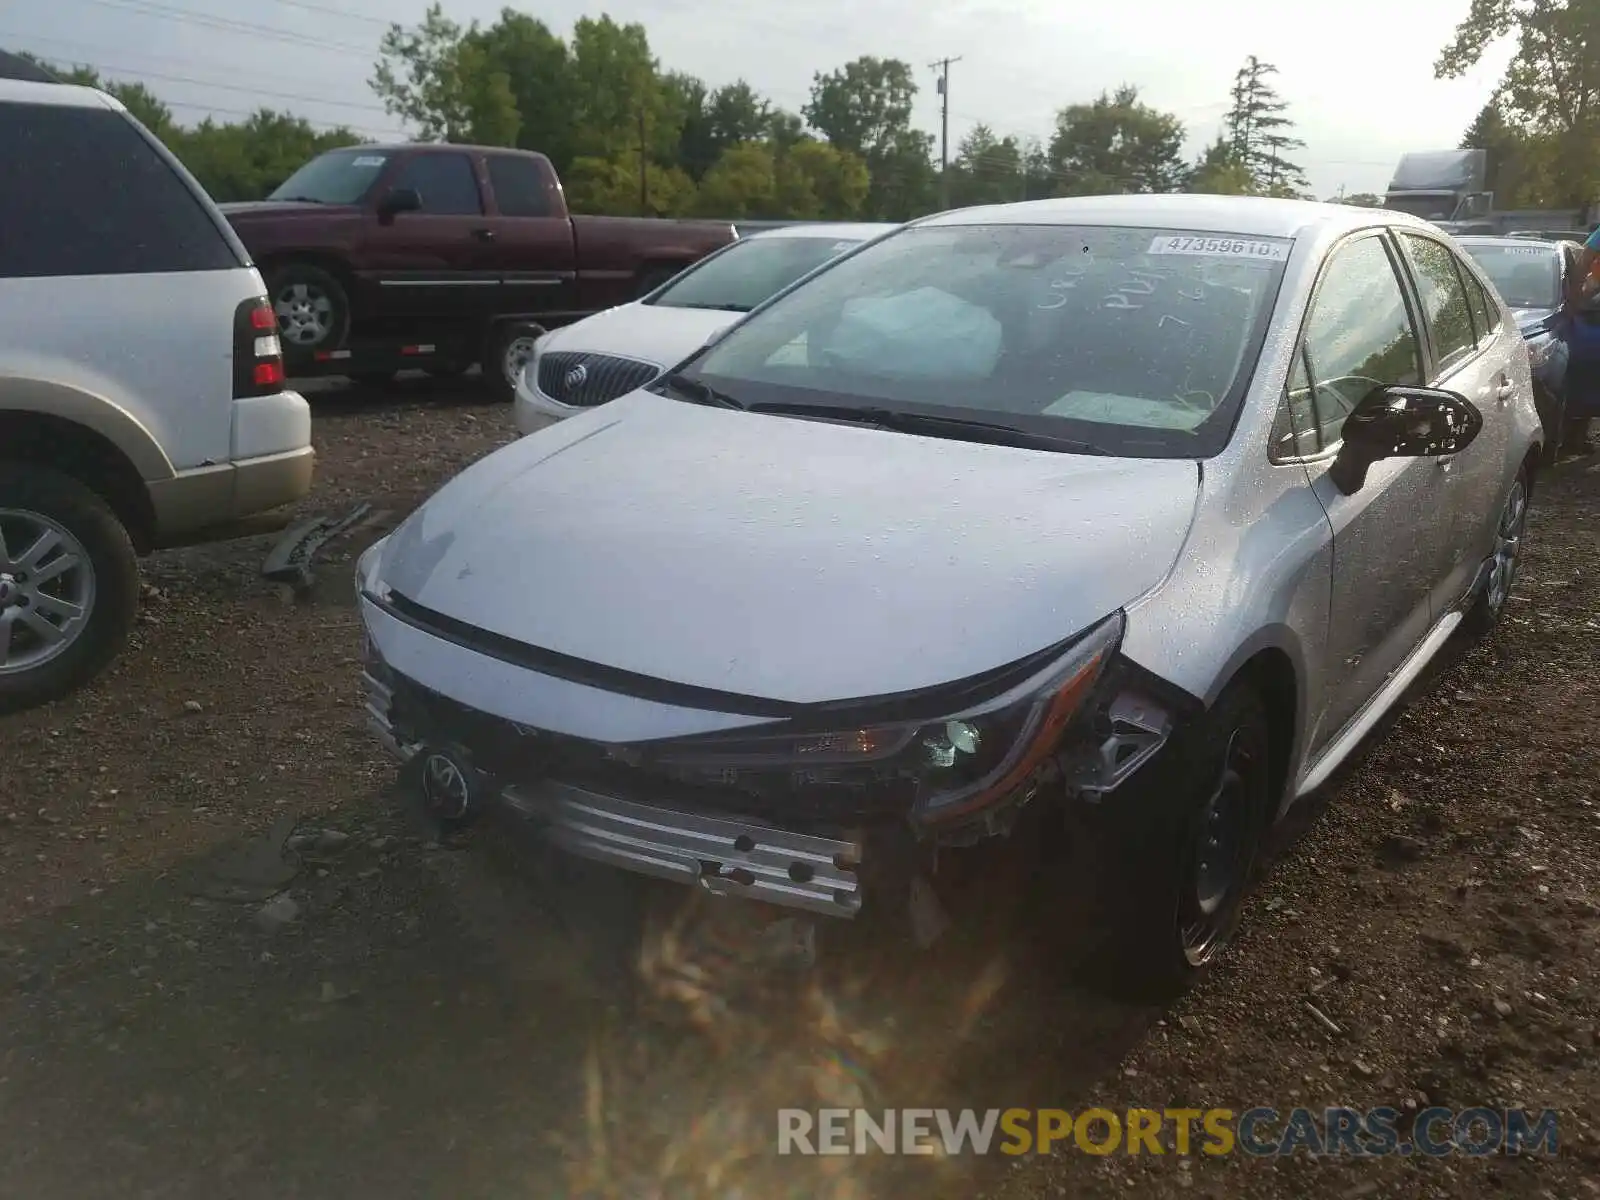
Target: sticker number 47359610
1221	247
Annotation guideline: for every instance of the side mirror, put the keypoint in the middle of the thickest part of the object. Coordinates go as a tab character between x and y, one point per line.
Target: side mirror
399	200
1396	421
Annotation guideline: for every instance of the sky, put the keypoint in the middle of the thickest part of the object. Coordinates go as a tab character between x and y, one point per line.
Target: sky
1358	76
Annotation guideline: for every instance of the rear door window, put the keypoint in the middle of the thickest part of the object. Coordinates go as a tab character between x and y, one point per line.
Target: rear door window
1444	300
88	194
446	182
519	186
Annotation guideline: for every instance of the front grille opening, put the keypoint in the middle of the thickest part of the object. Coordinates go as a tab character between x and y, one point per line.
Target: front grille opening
586	380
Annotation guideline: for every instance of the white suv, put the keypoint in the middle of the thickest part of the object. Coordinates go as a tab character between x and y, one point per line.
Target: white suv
142	398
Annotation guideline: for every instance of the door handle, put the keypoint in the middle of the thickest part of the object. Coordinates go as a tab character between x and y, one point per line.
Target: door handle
1505	390
483	235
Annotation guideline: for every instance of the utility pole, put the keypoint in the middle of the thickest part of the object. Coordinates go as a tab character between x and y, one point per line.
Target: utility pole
943	67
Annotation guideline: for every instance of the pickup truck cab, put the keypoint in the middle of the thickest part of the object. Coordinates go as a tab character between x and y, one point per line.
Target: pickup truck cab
468	248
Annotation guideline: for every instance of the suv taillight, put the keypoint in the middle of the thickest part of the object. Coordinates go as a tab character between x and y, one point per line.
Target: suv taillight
257	352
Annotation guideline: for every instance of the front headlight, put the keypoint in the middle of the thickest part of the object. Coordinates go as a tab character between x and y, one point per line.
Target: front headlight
946	767
1542	352
367	583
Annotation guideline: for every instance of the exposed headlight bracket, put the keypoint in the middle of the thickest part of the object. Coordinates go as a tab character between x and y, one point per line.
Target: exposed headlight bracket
1138	729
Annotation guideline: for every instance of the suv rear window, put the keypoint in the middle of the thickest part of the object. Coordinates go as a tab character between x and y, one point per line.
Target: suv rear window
88	195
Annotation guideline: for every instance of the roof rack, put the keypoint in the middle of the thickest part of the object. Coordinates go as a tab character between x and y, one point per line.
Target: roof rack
14	67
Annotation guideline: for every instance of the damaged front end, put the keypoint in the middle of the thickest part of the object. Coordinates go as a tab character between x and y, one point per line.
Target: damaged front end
826	808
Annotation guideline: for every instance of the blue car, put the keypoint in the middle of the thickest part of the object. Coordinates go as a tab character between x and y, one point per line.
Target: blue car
1531	277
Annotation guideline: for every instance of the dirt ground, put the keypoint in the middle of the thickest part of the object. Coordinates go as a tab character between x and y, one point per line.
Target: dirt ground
232	964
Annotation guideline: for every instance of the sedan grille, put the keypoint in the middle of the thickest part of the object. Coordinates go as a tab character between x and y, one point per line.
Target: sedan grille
585	380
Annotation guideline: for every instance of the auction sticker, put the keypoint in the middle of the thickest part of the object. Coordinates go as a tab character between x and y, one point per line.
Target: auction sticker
1222	247
367	160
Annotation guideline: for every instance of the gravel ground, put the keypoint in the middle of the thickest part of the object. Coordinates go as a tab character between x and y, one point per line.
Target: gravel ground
477	1019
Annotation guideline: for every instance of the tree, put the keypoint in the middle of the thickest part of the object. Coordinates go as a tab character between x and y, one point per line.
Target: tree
1552	83
1522	167
864	108
610	187
441	80
1220	173
1362	200
1117	144
1259	135
809	181
987	169
815	181
715	121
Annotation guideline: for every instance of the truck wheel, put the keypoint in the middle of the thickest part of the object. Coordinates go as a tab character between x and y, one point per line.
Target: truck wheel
69	585
509	352
312	306
653	277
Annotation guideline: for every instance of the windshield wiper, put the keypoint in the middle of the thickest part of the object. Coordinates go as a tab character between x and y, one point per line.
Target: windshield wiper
299	199
733	308
991	433
697	392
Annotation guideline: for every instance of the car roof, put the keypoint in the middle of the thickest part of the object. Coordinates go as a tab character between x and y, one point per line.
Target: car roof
858	231
62	95
1257	216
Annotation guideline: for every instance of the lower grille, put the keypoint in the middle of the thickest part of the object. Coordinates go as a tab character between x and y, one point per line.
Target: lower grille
584	380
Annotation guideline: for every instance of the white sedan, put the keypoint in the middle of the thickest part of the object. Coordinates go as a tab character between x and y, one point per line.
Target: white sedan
614	352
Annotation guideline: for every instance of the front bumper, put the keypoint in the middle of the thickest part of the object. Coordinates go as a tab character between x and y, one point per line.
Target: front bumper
532	410
725	855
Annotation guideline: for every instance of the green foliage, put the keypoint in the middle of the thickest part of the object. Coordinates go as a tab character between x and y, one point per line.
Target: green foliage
1117	143
1259	135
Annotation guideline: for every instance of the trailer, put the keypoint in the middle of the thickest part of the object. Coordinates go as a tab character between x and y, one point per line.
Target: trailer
1450	188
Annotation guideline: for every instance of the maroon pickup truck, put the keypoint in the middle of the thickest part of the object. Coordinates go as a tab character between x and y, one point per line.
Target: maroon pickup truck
440	256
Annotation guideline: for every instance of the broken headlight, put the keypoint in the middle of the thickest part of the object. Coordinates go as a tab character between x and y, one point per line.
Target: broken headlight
954	765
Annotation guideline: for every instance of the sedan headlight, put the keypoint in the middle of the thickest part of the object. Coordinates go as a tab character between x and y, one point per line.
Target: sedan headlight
947	767
367	571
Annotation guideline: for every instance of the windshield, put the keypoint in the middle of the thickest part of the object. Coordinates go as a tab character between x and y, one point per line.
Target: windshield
1525	276
1140	341
748	273
338	177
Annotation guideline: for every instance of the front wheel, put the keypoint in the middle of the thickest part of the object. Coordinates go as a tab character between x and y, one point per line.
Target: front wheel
1178	872
509	352
69	585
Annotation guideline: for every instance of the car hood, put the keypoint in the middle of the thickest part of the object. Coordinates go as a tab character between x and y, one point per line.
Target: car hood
651	332
793	560
1532	320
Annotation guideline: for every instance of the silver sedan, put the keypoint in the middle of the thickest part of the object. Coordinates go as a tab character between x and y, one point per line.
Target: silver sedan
1126	517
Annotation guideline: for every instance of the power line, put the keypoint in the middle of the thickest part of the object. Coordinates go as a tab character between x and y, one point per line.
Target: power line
186	16
139	75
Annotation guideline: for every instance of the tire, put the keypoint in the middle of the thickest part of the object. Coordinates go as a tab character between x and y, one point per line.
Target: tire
35	501
1167	916
312	306
1511	532
653	277
509	350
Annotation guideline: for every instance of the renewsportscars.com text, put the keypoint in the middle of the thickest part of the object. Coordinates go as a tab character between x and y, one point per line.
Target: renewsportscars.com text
1263	1132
